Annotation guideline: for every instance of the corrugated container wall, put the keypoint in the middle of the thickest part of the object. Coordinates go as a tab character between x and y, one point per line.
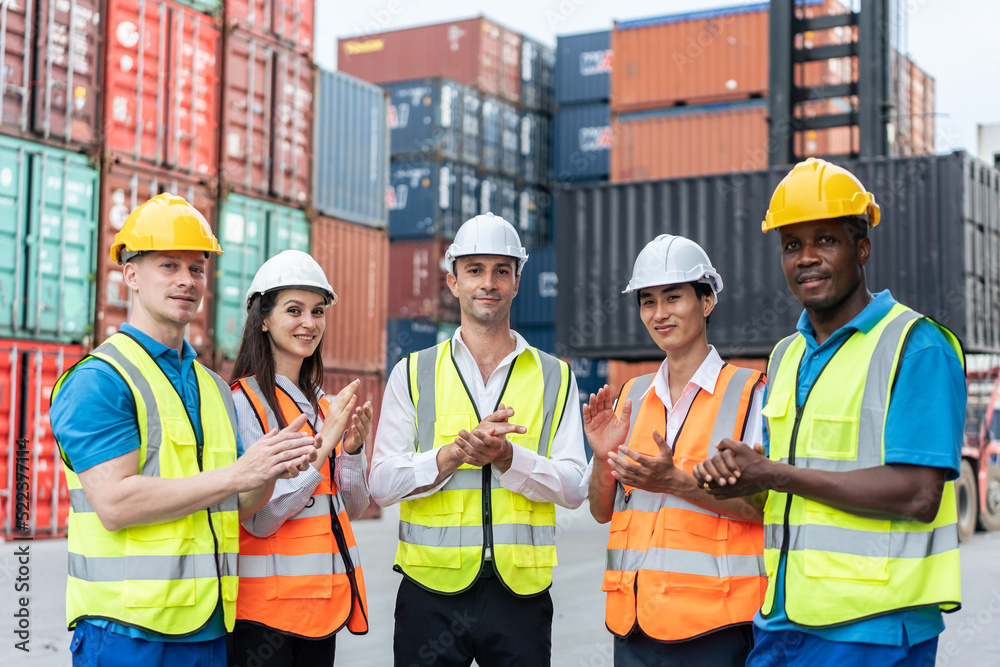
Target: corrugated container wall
250	232
122	190
162	86
28	371
583	68
289	21
937	249
417	287
351	151
48	205
430	197
582	143
408	335
541	336
697	58
267	111
537	75
690	141
476	52
355	261
426	116
535	302
51	71
535	147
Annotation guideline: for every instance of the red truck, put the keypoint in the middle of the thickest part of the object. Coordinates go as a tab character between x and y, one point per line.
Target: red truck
978	487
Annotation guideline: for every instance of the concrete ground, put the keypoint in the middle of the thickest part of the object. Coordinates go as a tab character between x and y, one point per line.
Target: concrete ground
579	638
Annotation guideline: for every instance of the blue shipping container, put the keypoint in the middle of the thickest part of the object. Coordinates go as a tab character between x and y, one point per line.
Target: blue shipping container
471	108
535	302
405	336
510	140
490	127
582	143
538	64
425	116
536	147
352	150
429	197
583	68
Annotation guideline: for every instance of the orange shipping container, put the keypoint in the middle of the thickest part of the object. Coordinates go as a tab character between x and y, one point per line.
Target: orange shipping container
122	189
476	52
291	21
690	142
161	86
356	261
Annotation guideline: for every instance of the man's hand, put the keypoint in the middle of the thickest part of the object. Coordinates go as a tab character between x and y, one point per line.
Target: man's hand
736	470
487	443
361	423
278	454
657	474
606	431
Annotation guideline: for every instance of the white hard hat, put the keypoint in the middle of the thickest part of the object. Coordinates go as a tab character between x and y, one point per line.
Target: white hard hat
486	234
672	260
291	269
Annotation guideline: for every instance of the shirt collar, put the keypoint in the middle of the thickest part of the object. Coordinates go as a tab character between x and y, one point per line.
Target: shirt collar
706	377
864	321
156	348
520	346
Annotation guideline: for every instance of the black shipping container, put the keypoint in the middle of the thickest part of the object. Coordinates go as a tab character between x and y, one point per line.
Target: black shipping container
536	147
937	248
538	63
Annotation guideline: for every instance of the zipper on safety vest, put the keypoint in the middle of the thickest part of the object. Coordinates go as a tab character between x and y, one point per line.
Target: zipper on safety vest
786	532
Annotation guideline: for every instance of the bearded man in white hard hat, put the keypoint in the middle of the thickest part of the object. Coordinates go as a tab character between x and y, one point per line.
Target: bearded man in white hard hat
478	439
685	571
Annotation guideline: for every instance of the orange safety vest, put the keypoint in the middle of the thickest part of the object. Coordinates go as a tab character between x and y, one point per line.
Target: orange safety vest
306	578
677	569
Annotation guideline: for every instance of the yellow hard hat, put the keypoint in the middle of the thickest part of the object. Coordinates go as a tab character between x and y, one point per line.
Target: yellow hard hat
165	222
818	190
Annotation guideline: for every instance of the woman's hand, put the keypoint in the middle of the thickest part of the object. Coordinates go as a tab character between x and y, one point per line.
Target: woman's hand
361	424
338	417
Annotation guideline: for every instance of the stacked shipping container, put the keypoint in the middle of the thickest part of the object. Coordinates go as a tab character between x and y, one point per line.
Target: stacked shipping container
470	116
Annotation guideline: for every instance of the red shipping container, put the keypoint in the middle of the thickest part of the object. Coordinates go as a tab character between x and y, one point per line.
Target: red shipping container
694	142
10	374
266	128
293	115
417	285
162	85
63	87
474	52
290	21
123	188
356	261
371	389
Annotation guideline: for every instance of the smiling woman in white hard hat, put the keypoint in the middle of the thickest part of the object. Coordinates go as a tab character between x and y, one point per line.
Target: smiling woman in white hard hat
694	606
300	575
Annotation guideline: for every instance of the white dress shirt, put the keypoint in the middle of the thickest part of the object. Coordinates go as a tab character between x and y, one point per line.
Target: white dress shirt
398	469
291	495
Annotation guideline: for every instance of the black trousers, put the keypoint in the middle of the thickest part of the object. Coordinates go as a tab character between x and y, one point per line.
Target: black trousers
253	645
487	623
728	647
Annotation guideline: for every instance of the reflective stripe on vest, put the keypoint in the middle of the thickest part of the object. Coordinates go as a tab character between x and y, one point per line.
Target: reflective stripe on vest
442	536
842	567
298	580
163	577
670	558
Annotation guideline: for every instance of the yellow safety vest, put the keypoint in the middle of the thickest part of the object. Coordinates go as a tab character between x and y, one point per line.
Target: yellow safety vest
442	536
842	567
164	577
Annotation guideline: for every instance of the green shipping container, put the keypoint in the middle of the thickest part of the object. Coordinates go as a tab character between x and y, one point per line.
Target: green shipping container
48	237
250	231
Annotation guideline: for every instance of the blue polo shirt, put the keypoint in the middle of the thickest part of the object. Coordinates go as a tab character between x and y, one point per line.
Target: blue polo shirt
923	427
93	419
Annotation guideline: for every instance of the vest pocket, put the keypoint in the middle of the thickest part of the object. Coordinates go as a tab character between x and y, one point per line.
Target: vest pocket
178	450
153	557
533	519
831	437
447	426
833	551
434	522
688	555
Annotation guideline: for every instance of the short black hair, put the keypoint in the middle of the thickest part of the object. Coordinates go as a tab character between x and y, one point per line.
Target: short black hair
857	227
701	290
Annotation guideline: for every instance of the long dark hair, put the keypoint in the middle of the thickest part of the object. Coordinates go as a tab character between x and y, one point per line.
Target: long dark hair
255	357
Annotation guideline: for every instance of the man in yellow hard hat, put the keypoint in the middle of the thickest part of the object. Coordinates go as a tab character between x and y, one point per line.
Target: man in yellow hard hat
864	412
148	438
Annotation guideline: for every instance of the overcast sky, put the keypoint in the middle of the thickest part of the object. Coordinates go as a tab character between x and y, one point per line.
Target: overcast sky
954	40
